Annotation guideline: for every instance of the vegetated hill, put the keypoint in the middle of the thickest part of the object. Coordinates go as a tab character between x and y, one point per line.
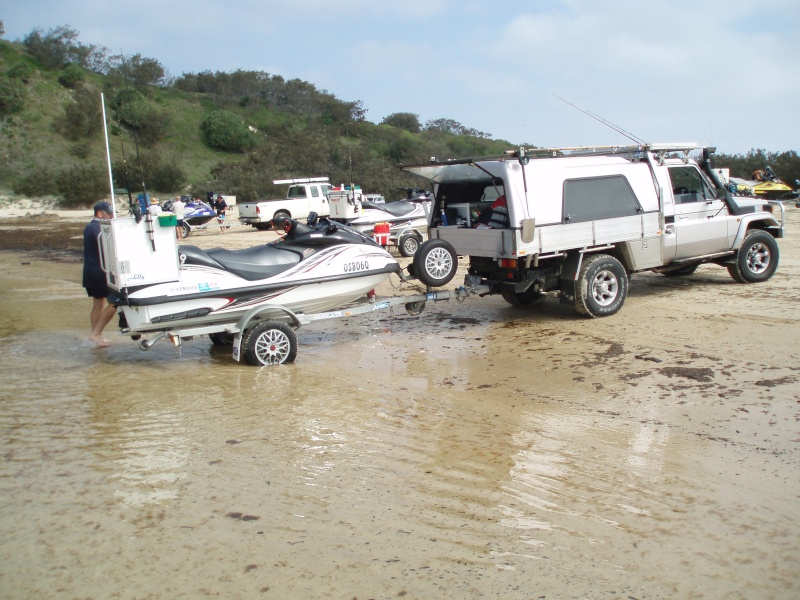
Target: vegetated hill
227	132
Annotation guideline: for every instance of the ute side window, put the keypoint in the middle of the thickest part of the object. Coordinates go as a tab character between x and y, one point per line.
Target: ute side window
593	198
297	191
688	185
314	191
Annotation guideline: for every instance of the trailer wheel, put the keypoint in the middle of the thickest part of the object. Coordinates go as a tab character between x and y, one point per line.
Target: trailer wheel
269	343
435	263
602	286
757	259
185	230
415	308
408	244
222	338
526	298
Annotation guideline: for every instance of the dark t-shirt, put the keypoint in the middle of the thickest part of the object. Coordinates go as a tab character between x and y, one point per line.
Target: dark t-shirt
93	276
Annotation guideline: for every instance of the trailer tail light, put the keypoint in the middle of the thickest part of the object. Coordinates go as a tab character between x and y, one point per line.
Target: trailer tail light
508	263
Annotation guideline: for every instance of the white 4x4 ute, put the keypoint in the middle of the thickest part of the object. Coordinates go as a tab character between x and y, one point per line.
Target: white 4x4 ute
581	220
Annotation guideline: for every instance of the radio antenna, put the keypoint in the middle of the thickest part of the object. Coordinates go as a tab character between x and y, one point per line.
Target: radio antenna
616	128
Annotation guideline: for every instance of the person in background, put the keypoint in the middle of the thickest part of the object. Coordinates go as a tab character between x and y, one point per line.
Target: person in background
154	208
179	208
221	207
94	279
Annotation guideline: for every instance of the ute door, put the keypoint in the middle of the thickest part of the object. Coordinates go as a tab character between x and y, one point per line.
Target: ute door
701	223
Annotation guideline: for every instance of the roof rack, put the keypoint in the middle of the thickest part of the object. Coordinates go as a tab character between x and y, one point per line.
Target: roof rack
525	154
300	180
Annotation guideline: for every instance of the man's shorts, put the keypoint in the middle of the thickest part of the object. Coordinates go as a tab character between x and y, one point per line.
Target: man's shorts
98	292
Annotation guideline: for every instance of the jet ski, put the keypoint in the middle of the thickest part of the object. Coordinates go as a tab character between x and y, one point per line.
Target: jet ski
196	213
407	219
159	286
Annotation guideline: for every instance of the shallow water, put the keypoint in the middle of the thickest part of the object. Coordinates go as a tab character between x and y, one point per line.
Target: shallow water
407	457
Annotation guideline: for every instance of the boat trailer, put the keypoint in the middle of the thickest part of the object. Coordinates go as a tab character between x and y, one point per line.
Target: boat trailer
267	342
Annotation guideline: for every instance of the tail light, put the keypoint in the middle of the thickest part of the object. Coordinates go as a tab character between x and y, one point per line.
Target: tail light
508	263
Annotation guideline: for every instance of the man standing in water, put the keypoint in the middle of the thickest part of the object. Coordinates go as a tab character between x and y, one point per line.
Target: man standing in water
94	279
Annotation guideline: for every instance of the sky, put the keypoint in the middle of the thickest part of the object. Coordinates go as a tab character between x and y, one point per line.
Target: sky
722	73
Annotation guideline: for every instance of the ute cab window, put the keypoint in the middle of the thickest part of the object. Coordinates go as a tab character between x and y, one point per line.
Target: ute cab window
297	191
593	198
688	185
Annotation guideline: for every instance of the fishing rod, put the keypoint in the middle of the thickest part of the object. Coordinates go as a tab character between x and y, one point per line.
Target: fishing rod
609	124
133	206
148	216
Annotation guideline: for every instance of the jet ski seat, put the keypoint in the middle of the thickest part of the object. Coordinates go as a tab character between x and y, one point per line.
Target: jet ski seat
251	264
397	209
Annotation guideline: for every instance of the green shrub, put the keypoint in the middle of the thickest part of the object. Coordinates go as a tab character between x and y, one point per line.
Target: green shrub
40	183
22	71
224	130
13	96
83	115
72	76
82	185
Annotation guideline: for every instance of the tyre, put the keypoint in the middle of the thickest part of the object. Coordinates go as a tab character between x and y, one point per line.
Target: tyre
682	271
527	298
408	245
269	343
757	259
602	286
262	226
281	214
435	263
222	338
415	308
185	230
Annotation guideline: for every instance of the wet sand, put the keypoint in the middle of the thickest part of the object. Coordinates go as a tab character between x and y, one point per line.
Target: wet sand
475	451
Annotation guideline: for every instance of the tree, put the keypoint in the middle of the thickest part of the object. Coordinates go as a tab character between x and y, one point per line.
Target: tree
134	110
453	127
136	71
55	49
403	120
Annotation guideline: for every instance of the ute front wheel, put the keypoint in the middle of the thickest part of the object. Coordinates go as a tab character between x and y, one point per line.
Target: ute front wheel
602	286
757	259
269	343
435	263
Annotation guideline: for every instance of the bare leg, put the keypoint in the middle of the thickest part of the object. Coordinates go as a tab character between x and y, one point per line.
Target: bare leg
101	314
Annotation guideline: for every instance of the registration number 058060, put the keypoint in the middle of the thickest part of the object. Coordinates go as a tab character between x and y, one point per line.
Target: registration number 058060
358	265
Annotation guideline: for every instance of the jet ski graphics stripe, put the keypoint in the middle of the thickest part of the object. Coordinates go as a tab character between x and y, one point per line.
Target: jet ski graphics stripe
251	292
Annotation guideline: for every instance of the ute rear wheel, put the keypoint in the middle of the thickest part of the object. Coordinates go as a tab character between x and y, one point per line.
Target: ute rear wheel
602	286
269	343
435	263
757	259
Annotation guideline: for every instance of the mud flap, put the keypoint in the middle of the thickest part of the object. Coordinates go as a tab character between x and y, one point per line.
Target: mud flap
568	276
237	347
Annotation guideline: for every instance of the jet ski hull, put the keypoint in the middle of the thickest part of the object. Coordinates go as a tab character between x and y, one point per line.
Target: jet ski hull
202	295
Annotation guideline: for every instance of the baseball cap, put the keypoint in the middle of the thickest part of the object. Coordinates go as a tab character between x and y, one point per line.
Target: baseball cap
104	206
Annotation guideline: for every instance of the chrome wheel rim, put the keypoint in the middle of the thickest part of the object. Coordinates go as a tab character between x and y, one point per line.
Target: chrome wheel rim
272	347
605	287
758	258
438	263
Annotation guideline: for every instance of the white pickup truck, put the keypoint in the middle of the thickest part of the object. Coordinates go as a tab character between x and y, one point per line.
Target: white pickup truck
575	223
303	197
